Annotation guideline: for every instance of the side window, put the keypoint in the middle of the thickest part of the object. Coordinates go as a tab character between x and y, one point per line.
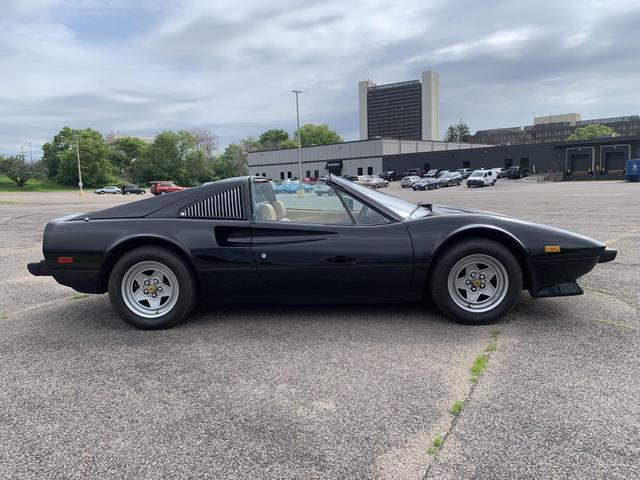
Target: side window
361	213
281	203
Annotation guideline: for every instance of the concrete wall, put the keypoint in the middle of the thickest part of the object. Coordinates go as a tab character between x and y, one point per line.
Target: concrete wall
430	106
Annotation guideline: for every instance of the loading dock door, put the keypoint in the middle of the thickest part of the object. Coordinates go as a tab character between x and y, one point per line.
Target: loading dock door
614	161
579	162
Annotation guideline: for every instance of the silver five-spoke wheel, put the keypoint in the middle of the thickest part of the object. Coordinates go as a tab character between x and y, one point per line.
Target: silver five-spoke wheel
478	283
150	289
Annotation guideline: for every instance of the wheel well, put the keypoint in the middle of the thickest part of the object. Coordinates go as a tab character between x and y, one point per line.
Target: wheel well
128	245
490	234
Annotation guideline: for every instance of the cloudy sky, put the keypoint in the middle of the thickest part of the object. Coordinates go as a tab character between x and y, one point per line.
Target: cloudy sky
140	67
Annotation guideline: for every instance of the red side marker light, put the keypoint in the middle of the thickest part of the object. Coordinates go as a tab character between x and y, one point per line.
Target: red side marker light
63	260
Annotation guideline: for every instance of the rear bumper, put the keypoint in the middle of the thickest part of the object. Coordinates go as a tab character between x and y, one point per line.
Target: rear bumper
39	269
80	280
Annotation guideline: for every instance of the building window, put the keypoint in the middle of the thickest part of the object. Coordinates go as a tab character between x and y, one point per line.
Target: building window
264	175
308	173
316	173
288	174
369	170
466	164
281	175
508	162
359	170
426	167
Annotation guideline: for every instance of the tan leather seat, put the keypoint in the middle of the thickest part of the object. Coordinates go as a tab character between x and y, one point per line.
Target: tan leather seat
281	211
264	211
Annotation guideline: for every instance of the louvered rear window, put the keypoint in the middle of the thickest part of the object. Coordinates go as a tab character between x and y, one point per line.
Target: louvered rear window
227	204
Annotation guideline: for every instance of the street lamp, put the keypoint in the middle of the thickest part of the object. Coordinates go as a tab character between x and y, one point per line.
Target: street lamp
301	190
79	169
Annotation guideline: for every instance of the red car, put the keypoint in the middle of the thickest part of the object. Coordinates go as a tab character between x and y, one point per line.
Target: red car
161	187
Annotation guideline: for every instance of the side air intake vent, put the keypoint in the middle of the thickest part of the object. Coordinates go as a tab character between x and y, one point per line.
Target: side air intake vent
227	204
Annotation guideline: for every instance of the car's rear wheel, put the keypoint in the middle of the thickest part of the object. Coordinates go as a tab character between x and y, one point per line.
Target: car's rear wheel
152	288
476	281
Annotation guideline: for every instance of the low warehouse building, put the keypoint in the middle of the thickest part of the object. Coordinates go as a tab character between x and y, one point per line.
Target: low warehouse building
602	158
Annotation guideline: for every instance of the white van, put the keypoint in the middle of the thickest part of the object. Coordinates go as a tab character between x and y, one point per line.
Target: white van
481	178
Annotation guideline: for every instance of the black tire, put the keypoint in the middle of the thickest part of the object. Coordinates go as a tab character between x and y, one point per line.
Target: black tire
438	280
187	292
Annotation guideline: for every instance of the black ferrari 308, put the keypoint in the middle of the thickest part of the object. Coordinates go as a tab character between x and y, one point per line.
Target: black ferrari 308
236	241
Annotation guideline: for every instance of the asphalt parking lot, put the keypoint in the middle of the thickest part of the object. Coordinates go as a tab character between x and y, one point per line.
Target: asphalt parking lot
356	391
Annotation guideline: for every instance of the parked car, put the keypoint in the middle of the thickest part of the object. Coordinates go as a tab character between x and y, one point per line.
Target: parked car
321	188
371	181
465	172
311	180
481	178
294	186
160	187
426	183
414	171
391	176
448	179
133	190
433	173
255	248
496	172
517	172
110	189
408	181
502	173
351	178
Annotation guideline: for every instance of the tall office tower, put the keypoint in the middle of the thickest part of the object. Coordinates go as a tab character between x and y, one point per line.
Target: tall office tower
407	110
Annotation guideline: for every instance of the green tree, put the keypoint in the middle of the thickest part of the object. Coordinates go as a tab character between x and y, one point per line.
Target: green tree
273	139
321	134
97	170
125	150
589	132
233	161
457	132
18	170
173	156
63	141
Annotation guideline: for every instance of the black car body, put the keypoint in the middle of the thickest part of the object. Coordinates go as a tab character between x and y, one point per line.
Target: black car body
391	176
233	241
132	190
517	172
426	183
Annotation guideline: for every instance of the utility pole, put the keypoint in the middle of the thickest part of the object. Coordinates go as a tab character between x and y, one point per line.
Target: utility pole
301	190
30	153
79	168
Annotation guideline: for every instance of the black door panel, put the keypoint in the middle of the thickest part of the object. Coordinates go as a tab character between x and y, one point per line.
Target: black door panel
326	262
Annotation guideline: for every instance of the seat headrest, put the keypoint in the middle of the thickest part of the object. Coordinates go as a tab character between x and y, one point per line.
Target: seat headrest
264	211
280	209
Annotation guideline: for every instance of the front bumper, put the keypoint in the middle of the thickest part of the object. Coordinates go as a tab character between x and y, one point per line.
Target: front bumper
557	275
608	255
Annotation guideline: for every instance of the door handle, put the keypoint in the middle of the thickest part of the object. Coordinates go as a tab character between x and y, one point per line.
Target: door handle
342	260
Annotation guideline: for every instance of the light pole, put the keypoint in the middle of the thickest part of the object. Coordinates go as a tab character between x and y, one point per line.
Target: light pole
301	190
79	168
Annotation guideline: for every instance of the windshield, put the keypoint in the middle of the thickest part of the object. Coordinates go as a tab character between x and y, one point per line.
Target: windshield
402	208
477	173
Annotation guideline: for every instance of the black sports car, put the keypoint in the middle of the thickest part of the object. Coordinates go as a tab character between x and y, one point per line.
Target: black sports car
236	241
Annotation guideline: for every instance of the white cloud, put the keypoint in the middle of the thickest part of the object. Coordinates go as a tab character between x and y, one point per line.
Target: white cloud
140	67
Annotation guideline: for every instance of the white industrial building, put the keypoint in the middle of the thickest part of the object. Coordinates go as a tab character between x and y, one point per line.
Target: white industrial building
362	157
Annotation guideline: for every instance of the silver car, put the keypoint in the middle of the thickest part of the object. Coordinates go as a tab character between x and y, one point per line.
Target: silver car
110	189
408	181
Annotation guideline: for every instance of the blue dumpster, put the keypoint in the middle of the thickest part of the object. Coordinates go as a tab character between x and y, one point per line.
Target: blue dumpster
632	170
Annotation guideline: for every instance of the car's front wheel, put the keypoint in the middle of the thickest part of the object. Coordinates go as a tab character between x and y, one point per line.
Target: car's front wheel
152	288
476	281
